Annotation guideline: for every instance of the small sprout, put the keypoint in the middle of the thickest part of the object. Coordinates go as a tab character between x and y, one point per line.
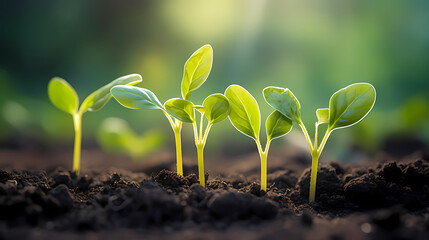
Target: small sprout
215	108
115	135
347	107
246	118
197	69
64	97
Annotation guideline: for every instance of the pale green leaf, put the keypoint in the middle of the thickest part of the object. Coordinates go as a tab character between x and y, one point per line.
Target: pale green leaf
62	95
284	101
277	125
180	109
200	108
96	100
196	70
135	97
216	108
351	104
244	114
322	115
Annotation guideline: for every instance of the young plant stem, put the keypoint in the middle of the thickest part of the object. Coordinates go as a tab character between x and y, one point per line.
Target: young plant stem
200	150
313	178
307	137
77	120
176	125
315	153
178	141
200	142
263	154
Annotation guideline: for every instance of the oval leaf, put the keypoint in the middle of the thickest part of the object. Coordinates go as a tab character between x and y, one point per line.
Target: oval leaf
284	101
244	115
180	109
135	97
197	69
62	95
351	104
277	125
96	100
216	108
322	115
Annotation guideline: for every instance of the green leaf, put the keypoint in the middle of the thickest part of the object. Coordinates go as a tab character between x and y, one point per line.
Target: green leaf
200	108
197	69
351	104
244	115
62	95
135	97
322	115
180	109
277	125
96	100
283	101
216	108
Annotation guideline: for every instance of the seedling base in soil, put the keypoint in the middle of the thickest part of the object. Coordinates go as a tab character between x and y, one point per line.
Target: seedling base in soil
375	201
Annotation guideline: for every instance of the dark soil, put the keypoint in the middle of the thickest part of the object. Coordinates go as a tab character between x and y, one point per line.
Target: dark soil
383	201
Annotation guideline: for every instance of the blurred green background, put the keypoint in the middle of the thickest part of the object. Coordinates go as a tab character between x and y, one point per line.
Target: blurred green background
312	47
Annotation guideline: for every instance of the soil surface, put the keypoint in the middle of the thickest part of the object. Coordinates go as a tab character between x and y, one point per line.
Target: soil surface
380	199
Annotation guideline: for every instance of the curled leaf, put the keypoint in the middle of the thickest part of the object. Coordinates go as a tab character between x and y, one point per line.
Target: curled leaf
284	101
96	100
322	115
135	97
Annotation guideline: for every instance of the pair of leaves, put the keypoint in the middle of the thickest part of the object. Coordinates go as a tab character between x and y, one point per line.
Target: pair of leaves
347	106
65	98
246	118
215	107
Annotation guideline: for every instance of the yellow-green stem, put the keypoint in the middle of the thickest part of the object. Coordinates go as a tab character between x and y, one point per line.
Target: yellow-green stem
313	178
77	120
178	141
200	150
264	171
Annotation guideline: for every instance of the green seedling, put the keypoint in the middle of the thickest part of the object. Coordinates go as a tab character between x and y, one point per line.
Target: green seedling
64	97
115	135
215	108
196	71
347	107
246	118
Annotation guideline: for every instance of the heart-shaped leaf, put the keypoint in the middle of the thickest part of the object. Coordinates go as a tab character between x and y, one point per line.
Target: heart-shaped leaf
283	101
197	69
135	97
277	125
96	100
322	115
180	109
216	108
63	95
351	104
244	114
